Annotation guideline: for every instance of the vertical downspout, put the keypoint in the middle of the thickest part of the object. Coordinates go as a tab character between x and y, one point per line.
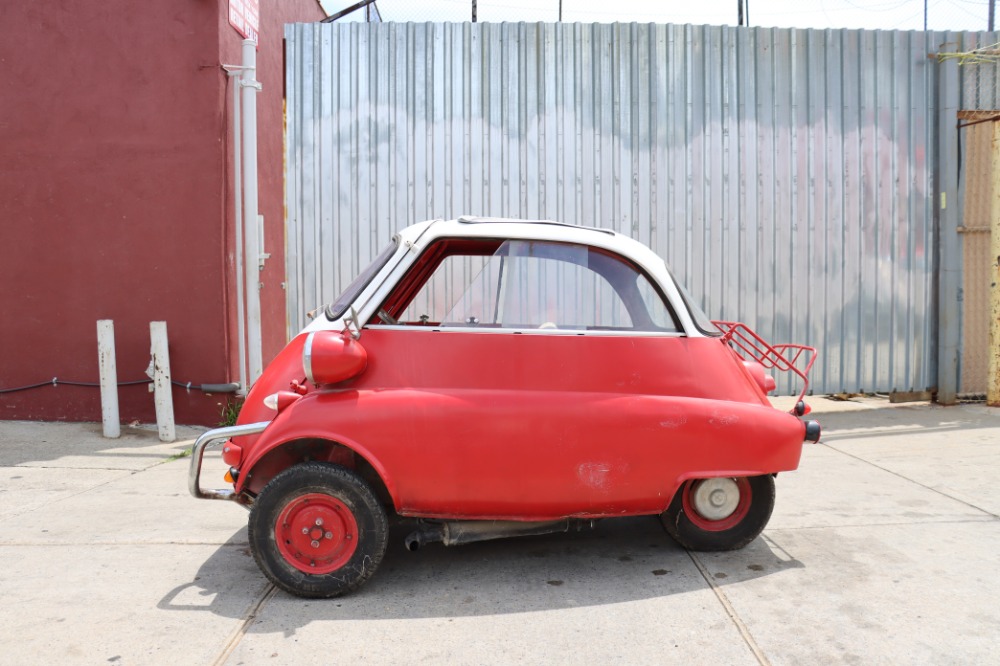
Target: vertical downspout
238	208
949	251
250	86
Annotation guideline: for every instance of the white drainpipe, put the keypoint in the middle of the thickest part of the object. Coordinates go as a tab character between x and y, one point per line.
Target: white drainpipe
238	207
250	86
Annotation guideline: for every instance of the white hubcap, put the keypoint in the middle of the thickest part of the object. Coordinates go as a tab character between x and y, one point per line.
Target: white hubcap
715	499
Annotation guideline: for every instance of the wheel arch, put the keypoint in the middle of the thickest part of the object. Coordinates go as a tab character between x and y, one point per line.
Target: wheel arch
301	449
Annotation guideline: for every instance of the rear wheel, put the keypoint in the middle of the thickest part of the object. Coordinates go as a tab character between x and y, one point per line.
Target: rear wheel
723	513
317	530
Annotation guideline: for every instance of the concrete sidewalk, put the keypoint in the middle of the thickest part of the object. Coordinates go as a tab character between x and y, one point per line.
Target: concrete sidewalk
884	548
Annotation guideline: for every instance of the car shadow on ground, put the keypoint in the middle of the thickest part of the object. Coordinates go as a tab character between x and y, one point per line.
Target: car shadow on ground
621	560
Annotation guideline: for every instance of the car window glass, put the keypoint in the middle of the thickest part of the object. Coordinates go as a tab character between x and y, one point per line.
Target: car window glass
462	289
701	320
351	292
525	285
551	285
659	314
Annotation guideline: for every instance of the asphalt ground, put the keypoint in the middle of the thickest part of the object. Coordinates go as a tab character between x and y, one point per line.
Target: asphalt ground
884	547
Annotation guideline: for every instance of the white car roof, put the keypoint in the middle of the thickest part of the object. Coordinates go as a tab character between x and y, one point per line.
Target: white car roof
499	227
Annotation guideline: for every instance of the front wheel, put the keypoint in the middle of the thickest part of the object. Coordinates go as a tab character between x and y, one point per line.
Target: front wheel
720	513
317	530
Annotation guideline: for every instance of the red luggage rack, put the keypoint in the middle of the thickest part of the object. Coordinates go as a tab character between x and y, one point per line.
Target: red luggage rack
784	357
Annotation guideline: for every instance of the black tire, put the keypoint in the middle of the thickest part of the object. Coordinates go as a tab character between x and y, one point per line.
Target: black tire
696	532
347	536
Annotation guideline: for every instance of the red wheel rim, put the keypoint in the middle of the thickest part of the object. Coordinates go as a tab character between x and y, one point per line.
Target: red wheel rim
722	524
316	533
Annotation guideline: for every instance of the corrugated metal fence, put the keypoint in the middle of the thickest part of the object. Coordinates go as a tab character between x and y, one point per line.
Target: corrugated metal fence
785	175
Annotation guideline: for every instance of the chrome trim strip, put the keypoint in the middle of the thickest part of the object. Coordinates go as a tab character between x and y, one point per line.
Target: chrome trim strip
210	438
307	361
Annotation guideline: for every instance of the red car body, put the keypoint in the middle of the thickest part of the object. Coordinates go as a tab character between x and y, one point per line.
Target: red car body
554	374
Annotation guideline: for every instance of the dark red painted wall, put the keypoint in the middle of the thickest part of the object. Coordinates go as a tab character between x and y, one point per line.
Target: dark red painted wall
114	196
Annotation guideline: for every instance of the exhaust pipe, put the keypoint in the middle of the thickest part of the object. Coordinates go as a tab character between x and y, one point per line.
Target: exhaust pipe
428	534
456	533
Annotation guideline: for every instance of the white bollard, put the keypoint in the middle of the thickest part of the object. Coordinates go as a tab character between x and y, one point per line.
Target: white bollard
109	378
162	394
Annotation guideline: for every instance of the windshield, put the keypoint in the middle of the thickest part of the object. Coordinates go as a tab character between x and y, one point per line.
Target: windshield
339	306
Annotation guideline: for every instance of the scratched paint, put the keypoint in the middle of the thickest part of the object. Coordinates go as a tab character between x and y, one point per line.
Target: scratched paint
723	420
594	475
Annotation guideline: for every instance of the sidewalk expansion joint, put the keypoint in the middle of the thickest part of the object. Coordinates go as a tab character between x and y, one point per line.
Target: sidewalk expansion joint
989	518
914	481
79	469
731	612
39	543
248	619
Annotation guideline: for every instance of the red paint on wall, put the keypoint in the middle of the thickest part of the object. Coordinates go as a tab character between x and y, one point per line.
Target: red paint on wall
115	199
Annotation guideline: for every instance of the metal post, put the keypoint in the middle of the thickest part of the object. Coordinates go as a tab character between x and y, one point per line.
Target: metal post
473	11
251	235
163	398
109	378
949	256
993	384
993	11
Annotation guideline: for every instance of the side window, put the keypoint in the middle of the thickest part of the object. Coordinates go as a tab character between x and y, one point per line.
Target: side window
659	315
526	285
551	285
462	289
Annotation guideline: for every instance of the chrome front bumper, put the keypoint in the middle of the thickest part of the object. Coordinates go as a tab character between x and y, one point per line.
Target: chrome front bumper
211	438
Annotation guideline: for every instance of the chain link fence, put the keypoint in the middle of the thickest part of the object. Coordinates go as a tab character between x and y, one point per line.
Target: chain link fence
979	71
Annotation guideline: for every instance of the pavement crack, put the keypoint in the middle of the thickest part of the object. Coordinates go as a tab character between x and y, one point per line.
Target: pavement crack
248	619
906	523
731	612
906	478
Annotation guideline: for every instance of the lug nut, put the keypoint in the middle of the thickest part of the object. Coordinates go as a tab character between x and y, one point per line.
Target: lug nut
315	544
328	535
305	530
319	521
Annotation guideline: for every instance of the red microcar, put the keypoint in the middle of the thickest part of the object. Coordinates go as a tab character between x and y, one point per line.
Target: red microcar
497	378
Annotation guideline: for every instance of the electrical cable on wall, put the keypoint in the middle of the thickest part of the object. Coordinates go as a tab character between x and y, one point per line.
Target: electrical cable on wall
55	381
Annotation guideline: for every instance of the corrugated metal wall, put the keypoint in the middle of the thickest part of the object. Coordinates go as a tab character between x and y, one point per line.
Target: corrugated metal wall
785	175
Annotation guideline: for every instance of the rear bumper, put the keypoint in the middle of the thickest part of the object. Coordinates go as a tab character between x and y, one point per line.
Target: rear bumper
213	438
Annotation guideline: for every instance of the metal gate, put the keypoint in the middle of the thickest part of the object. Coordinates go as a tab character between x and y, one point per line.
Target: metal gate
786	176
